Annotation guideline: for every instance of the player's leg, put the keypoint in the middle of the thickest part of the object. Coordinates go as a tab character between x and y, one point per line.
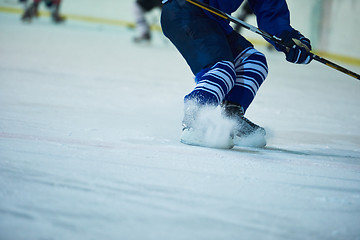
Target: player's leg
55	14
140	7
31	11
251	70
204	45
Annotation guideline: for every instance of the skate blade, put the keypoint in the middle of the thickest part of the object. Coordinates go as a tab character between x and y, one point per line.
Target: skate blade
194	138
256	140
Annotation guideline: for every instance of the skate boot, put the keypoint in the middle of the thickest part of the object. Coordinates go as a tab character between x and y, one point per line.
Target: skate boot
57	18
204	126
145	37
245	132
30	12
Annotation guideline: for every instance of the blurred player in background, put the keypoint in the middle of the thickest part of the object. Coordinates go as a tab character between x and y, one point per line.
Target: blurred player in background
245	11
32	10
140	8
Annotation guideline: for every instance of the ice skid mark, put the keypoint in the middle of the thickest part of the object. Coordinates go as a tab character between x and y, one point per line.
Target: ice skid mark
58	140
210	129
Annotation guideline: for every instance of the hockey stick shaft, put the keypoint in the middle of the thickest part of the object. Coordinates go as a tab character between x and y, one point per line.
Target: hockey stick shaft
264	34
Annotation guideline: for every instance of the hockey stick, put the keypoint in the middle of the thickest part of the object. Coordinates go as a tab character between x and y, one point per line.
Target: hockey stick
264	34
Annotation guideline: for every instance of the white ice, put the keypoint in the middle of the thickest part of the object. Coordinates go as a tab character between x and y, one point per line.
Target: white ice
89	145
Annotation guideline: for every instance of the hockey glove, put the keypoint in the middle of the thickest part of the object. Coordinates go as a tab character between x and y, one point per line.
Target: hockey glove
299	52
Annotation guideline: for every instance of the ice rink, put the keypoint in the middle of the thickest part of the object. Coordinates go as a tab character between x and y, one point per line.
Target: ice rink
89	145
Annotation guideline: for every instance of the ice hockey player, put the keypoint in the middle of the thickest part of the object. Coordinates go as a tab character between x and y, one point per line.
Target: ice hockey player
33	10
140	8
228	69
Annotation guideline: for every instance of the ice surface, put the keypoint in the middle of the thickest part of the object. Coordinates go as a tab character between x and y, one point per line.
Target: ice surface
89	145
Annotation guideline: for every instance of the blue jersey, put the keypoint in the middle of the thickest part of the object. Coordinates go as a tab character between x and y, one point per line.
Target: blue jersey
272	16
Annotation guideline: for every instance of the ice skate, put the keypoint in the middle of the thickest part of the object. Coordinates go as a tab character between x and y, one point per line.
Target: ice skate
204	126
246	133
56	18
143	38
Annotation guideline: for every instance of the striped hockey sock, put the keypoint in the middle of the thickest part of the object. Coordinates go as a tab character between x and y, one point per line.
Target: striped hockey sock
251	70
212	86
